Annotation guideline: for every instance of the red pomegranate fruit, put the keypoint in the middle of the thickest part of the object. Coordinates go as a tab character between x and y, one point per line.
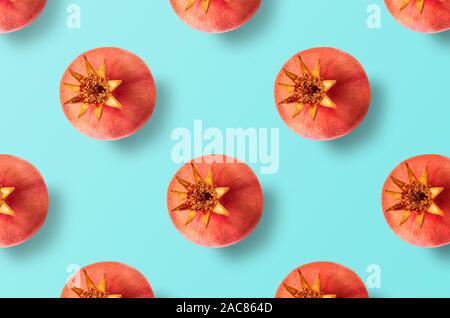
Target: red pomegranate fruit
215	200
107	280
322	280
416	200
108	93
427	16
322	93
17	14
23	201
215	16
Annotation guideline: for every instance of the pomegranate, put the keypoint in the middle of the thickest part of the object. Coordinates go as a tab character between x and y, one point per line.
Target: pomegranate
17	14
322	93
322	280
107	280
215	16
23	201
215	200
427	16
416	200
108	93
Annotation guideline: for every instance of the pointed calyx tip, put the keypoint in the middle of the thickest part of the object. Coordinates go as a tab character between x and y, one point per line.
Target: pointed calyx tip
93	89
415	197
307	88
201	197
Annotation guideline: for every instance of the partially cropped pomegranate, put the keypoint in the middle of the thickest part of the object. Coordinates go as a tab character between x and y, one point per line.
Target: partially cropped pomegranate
322	93
17	14
215	201
322	280
215	16
428	16
23	201
416	200
107	280
108	93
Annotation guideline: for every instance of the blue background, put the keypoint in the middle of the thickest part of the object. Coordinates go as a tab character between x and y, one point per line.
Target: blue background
108	199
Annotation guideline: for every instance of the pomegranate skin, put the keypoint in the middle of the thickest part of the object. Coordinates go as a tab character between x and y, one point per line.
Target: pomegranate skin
351	94
137	94
244	201
334	278
29	201
17	14
435	231
120	279
222	16
434	18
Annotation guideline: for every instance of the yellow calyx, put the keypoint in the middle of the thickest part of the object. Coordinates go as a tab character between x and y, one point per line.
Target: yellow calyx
308	88
93	89
204	3
202	197
307	290
420	4
417	196
93	291
4	207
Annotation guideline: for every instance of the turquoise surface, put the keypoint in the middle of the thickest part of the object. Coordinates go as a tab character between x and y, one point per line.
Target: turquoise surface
108	199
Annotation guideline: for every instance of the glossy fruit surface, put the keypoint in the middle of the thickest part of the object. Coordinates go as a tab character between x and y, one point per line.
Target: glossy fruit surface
215	201
416	200
427	16
107	280
23	201
108	93
215	16
322	280
322	93
17	14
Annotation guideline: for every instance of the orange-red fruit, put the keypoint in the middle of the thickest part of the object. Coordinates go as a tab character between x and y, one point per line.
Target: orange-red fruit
432	18
244	201
28	201
17	14
435	229
215	16
136	94
350	94
335	279
121	280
